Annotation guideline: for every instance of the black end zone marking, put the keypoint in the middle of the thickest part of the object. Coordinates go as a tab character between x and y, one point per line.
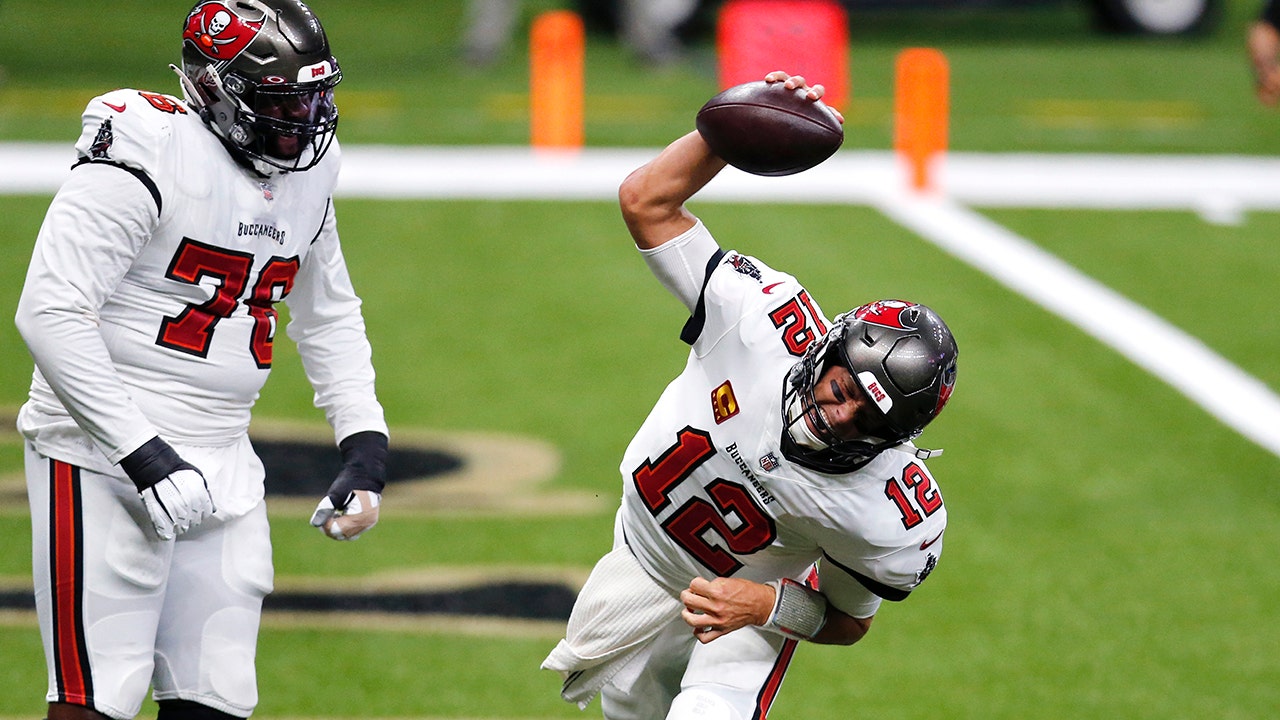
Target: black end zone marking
297	468
531	601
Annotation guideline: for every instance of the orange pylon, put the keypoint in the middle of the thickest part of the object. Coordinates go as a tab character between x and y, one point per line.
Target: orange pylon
557	51
921	110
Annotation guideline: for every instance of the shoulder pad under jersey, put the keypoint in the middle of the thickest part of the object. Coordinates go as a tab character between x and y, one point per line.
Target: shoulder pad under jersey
131	128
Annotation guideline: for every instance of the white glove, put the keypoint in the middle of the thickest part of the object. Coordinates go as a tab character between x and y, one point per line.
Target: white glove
358	513
173	490
178	502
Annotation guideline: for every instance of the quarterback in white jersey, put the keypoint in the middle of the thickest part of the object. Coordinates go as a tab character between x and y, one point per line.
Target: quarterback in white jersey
773	494
149	308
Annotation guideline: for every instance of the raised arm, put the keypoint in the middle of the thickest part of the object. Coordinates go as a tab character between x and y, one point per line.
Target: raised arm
652	197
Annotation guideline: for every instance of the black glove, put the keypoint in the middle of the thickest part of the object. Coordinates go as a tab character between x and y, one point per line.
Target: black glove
173	490
351	506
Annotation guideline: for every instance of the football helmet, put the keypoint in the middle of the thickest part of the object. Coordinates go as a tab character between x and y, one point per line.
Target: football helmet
261	76
903	357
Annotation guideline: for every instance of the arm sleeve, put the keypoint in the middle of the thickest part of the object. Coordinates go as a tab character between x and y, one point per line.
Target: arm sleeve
96	225
681	263
328	327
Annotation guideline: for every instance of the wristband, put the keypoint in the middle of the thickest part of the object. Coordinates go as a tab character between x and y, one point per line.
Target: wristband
152	462
799	612
364	460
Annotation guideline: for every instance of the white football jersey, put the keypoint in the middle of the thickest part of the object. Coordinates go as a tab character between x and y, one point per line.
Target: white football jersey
154	281
708	492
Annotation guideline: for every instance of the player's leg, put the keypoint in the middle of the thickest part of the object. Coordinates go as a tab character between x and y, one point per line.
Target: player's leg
63	711
208	634
187	710
734	677
98	570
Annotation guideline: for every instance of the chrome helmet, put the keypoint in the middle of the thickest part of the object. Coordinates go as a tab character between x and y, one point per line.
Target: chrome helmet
903	357
260	74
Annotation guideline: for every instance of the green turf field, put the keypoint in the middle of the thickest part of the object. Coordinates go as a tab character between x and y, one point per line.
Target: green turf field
1111	544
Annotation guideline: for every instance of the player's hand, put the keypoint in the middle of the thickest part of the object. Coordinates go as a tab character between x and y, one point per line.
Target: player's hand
351	505
174	492
797	82
720	606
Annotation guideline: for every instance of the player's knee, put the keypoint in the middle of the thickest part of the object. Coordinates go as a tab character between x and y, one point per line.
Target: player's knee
187	710
701	704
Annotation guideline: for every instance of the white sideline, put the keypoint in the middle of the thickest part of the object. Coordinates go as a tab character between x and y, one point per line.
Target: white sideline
1218	187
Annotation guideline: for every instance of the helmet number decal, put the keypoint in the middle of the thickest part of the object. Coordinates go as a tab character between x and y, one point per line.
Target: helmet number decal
800	322
914	494
729	511
191	331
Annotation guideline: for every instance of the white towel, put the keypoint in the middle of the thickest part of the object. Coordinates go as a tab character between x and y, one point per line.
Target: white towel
619	610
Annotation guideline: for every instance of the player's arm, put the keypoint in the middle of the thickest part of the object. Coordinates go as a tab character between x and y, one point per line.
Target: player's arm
1263	44
328	327
94	228
720	606
653	197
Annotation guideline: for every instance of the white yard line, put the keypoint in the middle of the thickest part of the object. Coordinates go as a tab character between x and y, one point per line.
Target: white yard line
1218	187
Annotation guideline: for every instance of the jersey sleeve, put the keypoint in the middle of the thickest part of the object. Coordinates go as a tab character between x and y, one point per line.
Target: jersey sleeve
130	130
329	329
681	263
892	550
741	295
96	225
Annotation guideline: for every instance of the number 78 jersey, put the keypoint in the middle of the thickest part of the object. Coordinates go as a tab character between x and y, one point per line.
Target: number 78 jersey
708	491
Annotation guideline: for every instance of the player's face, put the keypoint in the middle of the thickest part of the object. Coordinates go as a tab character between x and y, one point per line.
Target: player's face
844	406
293	108
300	110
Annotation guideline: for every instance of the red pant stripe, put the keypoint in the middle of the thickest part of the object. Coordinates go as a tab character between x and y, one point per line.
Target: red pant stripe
774	682
66	560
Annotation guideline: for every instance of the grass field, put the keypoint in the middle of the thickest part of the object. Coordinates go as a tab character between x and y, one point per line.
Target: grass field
1110	552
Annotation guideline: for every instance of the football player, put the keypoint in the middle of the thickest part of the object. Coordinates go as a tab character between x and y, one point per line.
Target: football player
774	494
150	309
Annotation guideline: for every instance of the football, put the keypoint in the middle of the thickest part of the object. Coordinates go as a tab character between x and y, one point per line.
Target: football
766	129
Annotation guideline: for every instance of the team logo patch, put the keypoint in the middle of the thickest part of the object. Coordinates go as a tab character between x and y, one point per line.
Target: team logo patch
930	563
894	314
218	32
769	462
744	266
723	404
101	147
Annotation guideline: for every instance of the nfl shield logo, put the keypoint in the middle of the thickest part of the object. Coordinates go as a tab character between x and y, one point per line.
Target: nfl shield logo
768	462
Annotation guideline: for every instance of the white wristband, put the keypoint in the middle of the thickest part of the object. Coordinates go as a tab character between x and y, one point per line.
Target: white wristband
798	612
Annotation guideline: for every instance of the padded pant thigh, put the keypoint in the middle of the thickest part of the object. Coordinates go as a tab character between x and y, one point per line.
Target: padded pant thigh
207	639
99	577
733	677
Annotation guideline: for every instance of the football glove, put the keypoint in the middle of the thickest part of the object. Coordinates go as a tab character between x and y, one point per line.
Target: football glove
351	506
174	491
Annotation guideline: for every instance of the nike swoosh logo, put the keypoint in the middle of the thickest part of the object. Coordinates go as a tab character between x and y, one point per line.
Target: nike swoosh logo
768	289
925	545
117	108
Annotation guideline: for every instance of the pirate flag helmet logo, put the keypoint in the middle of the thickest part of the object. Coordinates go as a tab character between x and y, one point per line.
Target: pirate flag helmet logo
218	32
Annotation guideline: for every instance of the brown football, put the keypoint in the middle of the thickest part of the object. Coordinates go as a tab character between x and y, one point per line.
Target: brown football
765	129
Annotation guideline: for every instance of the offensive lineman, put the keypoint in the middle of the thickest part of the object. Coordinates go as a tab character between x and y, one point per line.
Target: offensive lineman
149	310
779	462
